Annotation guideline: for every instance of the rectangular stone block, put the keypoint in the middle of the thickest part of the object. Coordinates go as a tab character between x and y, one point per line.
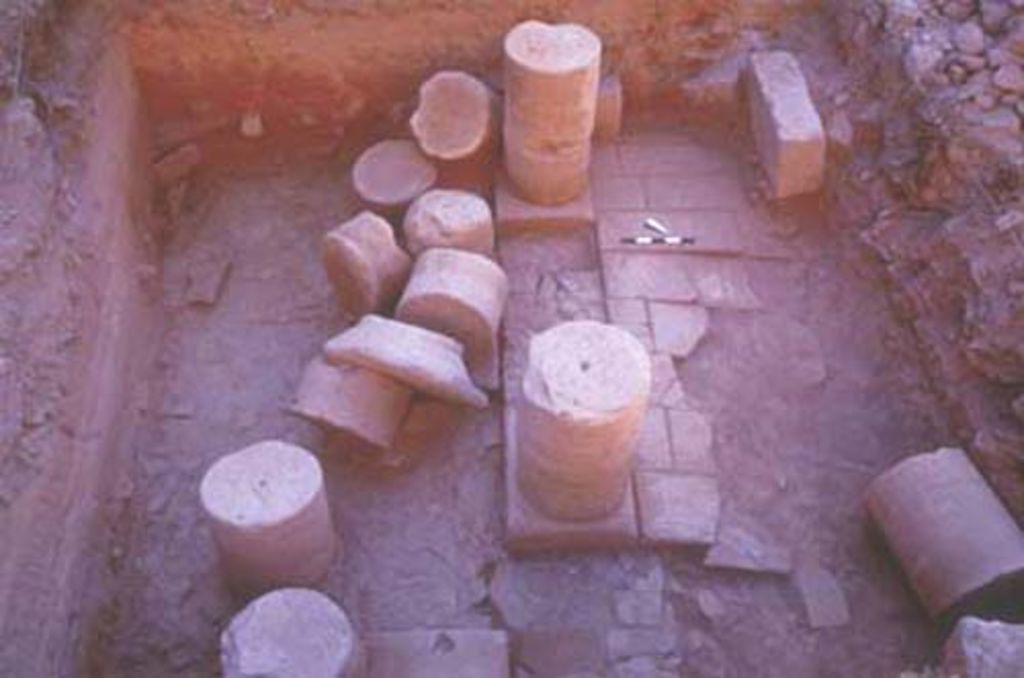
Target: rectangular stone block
513	214
464	653
527	529
642	275
677	508
787	128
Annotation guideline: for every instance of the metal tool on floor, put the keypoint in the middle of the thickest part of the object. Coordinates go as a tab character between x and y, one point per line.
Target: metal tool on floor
664	236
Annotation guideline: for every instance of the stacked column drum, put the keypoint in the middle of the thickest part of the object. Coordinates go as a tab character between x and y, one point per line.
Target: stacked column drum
551	83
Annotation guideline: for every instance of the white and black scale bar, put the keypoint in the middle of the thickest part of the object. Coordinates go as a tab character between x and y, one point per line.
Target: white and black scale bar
658	240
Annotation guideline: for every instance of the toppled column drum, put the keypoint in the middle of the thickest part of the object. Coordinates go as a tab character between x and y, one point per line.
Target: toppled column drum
455	116
954	538
392	173
551	84
454	219
290	633
461	295
364	264
585	394
269	514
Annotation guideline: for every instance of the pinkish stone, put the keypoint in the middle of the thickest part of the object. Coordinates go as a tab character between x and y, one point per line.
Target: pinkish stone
392	173
454	119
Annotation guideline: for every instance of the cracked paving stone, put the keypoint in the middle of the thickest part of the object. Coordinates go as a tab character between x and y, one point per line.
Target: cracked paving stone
678	328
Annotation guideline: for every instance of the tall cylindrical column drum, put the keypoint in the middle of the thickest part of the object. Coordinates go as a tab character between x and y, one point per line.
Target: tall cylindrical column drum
585	394
269	514
951	534
551	82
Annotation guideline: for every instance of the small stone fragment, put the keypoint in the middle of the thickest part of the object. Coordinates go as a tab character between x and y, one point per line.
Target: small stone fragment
969	38
428	361
392	173
268	511
984	649
677	508
364	264
608	121
360	402
823	597
251	126
454	116
453	219
290	633
177	164
788	130
678	328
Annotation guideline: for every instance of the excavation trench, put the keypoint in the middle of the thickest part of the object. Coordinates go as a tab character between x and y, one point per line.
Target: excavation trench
811	392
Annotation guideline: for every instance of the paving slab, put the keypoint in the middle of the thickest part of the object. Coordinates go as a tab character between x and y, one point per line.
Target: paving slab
618	192
557	652
514	214
627	311
692	437
678	328
823	597
640	275
740	549
465	653
526	529
653	447
713	231
720	282
666	389
651	155
722	191
677	508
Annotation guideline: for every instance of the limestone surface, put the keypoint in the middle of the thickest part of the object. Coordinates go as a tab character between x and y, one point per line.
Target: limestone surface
984	649
447	218
454	118
269	515
428	361
787	128
364	263
290	633
361	402
461	295
391	173
677	508
585	394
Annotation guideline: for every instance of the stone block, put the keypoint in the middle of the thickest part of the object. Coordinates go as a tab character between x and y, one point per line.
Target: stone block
455	116
451	219
364	264
464	653
787	128
515	214
527	529
677	508
392	173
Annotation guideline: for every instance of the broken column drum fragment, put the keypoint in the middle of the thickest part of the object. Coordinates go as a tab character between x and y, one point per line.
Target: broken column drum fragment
585	394
364	264
461	295
949	531
428	361
551	84
454	219
269	514
358	401
290	633
455	116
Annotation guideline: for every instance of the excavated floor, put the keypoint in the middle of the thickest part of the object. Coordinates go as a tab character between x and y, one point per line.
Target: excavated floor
247	304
